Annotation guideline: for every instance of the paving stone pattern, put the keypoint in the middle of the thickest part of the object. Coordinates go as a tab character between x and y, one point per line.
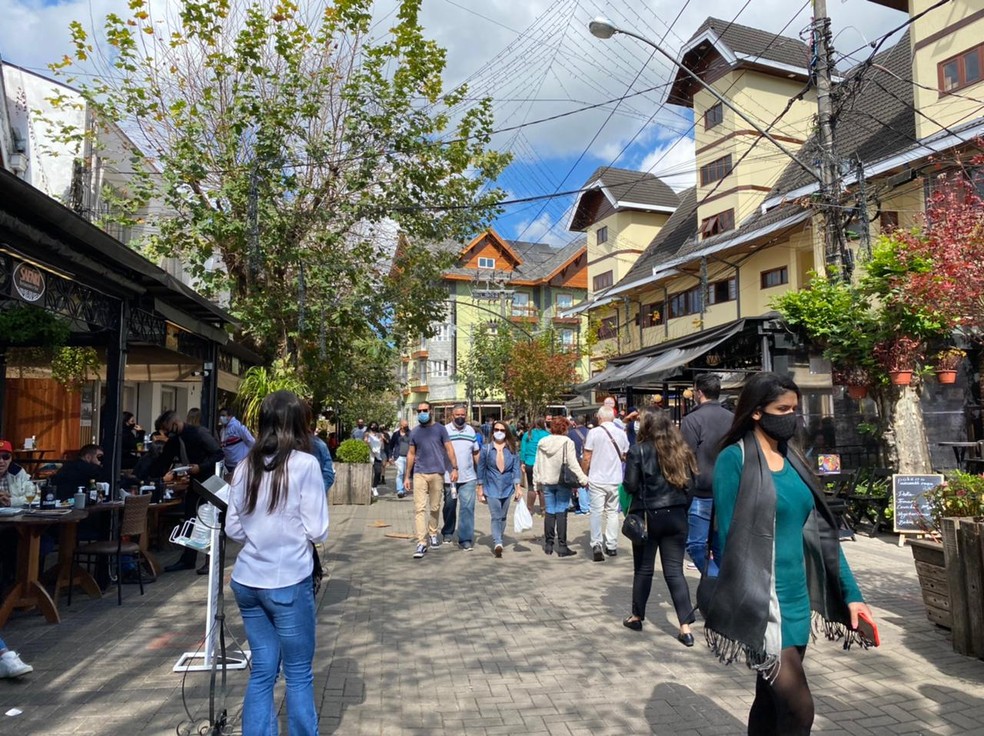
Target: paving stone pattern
463	643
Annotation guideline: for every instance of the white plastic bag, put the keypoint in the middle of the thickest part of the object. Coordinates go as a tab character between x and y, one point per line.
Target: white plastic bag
522	519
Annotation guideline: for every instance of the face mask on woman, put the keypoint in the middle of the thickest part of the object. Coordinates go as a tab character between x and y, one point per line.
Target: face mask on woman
499	436
780	427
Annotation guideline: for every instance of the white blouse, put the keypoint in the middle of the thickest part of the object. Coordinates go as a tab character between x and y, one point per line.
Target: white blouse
276	549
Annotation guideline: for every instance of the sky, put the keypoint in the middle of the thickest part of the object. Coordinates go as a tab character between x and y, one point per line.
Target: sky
536	60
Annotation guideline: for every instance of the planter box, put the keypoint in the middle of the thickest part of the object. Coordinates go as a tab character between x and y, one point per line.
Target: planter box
963	549
931	569
353	484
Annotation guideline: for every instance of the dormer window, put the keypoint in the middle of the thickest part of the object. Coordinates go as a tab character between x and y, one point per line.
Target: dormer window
722	222
486	262
715	171
714	116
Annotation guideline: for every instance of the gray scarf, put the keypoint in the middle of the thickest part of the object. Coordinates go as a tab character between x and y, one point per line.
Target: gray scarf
742	619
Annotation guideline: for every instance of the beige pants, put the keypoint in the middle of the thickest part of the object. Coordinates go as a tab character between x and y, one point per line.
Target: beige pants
428	490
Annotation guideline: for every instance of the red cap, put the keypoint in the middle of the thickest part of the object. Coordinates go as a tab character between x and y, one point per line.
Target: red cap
5	446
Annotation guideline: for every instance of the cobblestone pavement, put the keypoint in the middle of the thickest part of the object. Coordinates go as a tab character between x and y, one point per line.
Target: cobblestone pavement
463	643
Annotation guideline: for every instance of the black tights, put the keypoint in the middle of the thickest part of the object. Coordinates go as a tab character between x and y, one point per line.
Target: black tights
784	708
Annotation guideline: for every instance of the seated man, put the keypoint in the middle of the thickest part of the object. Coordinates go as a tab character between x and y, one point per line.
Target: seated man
75	473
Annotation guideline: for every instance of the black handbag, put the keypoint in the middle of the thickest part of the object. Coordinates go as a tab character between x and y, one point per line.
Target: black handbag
568	478
317	572
635	527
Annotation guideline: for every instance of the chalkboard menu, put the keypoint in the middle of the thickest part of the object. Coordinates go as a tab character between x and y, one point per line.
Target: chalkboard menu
909	501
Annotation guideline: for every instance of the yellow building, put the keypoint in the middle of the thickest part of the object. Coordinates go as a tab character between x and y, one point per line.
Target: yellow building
526	286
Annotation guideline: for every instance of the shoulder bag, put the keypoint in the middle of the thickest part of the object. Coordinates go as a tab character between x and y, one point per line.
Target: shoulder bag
636	526
568	478
618	452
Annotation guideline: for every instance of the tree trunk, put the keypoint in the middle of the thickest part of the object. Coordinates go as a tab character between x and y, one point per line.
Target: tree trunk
911	446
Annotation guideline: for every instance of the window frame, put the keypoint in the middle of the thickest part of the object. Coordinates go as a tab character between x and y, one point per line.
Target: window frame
603	280
713	116
647	312
960	61
569	297
608	328
709	172
783	272
601	235
729	286
716	224
487	260
684	303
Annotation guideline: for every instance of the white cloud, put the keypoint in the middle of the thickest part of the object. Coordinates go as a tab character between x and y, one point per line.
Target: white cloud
673	162
544	229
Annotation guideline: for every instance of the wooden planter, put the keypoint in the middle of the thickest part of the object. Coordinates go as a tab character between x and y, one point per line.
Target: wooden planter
353	484
963	550
931	569
857	392
946	376
900	378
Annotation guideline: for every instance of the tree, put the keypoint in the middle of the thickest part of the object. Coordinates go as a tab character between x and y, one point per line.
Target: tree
484	367
538	372
281	148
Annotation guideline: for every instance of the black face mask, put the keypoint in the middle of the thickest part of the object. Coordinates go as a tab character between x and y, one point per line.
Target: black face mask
373	428
459	421
780	427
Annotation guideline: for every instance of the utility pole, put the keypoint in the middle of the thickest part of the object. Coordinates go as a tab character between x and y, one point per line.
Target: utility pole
830	186
863	222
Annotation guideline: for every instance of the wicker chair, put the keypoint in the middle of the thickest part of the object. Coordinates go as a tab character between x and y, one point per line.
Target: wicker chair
134	524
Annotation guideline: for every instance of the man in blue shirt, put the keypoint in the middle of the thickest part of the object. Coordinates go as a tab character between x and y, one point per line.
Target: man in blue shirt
235	439
431	454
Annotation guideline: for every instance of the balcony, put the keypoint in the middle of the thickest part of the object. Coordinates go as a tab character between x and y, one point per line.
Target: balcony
420	388
524	314
419	354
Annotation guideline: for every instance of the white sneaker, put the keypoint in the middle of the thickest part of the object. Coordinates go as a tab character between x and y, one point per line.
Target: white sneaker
375	493
11	665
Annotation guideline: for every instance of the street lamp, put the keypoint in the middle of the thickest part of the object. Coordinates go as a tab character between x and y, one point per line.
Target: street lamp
604	29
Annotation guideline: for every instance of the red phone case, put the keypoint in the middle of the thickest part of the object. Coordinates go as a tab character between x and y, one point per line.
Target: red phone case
868	628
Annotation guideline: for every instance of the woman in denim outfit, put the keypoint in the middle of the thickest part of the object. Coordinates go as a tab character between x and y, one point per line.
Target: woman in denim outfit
499	479
277	508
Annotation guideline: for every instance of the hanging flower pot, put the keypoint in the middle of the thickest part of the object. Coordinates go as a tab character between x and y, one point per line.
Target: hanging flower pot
857	392
900	378
946	376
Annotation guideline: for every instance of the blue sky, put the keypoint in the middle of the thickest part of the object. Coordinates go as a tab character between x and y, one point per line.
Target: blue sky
536	59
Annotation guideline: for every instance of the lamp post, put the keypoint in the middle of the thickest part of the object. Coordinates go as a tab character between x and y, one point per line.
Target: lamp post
604	29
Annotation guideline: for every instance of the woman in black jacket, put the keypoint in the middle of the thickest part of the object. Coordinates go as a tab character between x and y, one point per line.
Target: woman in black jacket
658	473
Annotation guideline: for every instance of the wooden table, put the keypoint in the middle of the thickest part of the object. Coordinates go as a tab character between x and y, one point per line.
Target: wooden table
28	592
31	459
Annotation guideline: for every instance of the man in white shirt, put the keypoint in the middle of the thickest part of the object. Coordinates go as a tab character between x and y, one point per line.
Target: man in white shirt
604	453
459	499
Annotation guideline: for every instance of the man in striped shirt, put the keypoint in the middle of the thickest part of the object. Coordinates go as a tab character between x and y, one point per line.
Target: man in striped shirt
459	499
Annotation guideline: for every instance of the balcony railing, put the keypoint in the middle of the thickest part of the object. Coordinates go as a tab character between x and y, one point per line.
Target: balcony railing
524	313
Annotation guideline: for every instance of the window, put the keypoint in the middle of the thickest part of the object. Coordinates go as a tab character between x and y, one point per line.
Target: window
486	262
714	116
607	328
602	281
888	220
521	305
715	171
962	71
422	373
602	235
565	301
722	222
438	368
444	333
652	314
775	277
684	303
567	339
722	291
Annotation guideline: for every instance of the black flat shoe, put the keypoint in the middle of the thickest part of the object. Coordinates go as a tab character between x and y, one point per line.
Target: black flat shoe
632	623
548	549
686	639
567	553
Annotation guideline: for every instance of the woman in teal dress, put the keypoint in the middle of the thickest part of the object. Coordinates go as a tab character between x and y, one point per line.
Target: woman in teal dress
780	559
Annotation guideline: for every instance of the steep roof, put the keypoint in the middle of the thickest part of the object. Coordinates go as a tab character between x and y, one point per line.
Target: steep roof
876	121
623	189
681	226
756	43
537	261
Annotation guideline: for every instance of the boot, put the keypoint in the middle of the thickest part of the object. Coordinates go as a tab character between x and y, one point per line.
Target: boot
562	549
549	532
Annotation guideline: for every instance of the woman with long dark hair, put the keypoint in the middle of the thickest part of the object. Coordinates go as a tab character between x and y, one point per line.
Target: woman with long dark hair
658	472
780	558
277	509
499	479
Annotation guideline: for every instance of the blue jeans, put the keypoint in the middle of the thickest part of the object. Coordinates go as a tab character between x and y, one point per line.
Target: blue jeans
499	508
699	524
557	498
583	500
401	469
460	512
280	628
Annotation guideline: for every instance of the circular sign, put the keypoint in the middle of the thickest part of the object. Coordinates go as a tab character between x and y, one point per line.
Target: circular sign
29	282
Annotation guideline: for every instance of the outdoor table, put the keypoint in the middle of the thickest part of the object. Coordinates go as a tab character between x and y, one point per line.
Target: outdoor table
31	459
28	592
144	543
960	450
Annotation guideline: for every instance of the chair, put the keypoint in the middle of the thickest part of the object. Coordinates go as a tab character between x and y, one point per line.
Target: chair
134	524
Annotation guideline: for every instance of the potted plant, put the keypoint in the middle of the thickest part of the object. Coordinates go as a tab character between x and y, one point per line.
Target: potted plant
353	474
946	363
898	356
856	378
